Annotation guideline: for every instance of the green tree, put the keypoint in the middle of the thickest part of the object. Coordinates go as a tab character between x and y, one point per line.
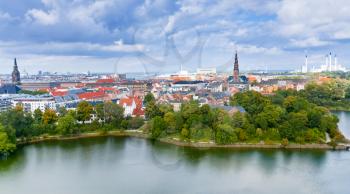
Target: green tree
298	120
84	111
100	111
185	133
135	123
124	124
66	124
38	115
242	134
329	124
165	108
62	111
170	120
17	122
149	98
114	113
287	131
269	117
152	110
38	127
225	134
295	104
253	102
6	145
314	116
189	109
207	115
158	126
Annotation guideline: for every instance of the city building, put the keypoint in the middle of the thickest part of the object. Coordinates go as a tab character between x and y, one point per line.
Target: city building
236	82
31	103
132	106
8	88
38	85
236	70
16	76
5	103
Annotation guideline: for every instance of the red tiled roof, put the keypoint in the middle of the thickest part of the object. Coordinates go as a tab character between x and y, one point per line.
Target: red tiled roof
59	93
138	112
105	81
91	95
128	101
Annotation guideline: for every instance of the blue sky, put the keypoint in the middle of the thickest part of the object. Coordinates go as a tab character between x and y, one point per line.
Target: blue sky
159	35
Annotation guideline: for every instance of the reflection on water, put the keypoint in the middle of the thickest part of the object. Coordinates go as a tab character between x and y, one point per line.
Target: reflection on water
131	165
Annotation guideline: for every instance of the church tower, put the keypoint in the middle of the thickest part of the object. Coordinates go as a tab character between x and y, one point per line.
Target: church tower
16	77
236	70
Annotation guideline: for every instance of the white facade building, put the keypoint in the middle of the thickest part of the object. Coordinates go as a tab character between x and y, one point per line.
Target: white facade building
30	104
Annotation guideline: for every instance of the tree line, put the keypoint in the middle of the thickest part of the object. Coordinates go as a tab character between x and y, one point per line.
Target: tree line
16	124
333	94
284	117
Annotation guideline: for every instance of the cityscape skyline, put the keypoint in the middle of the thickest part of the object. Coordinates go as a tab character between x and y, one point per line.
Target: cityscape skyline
161	35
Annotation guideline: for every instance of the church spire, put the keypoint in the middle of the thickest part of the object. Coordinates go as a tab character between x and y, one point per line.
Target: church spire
236	69
16	77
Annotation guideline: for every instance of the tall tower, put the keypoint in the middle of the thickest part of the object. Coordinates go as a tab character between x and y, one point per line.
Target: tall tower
16	77
304	68
330	61
236	69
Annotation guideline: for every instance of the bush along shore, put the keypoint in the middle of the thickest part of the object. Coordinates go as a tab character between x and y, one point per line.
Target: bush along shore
179	142
285	120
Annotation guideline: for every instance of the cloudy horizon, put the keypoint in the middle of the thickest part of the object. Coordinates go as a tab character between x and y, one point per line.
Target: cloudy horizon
159	35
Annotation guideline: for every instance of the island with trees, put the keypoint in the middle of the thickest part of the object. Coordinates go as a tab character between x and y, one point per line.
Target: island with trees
288	117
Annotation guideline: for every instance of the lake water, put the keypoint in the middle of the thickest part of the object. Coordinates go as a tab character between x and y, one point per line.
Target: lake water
344	122
130	165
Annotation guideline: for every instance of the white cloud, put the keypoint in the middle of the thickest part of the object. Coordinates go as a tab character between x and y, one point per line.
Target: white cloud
42	17
4	16
170	25
65	47
314	18
309	42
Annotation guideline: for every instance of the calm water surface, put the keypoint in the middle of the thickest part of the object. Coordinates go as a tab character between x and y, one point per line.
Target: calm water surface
344	122
131	165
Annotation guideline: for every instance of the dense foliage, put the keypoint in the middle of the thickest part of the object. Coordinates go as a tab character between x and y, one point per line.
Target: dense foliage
288	115
285	117
16	124
333	94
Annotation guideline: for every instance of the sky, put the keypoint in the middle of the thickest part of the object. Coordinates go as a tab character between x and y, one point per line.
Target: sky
160	35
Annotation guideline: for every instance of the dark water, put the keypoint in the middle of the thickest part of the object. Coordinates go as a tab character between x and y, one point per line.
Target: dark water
131	165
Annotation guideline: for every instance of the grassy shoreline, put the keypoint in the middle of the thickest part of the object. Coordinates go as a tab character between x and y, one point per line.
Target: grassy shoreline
178	142
339	109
